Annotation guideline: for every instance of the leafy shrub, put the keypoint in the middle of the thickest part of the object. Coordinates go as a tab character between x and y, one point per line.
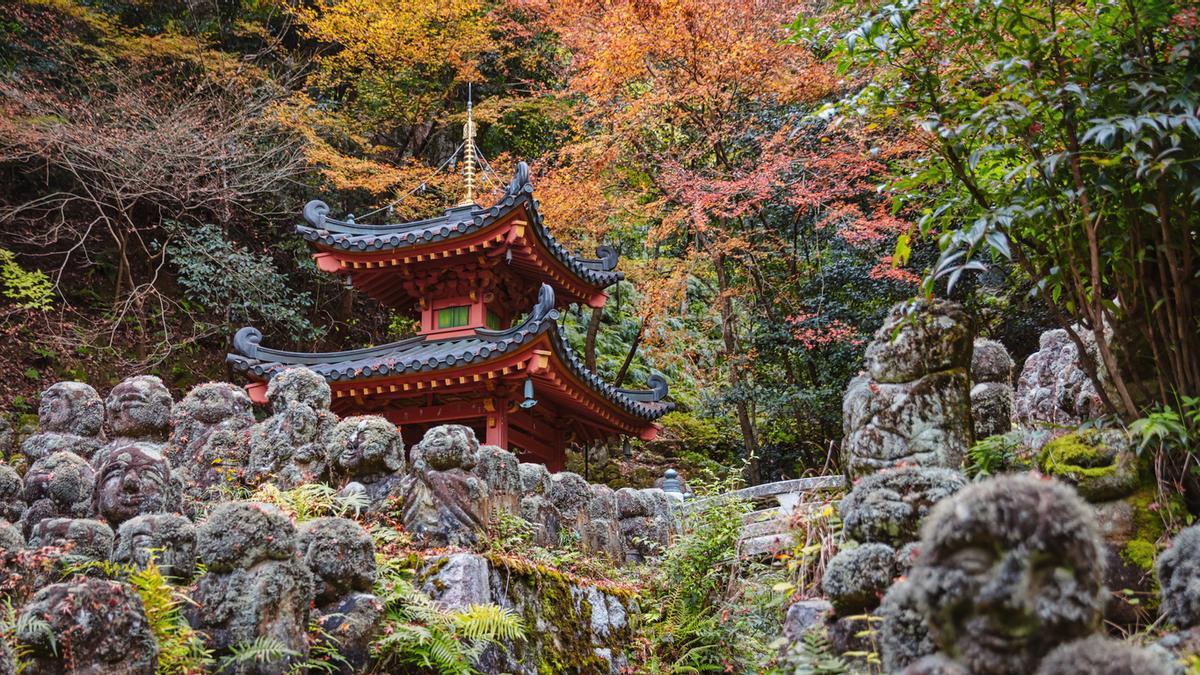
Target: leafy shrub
31	290
241	286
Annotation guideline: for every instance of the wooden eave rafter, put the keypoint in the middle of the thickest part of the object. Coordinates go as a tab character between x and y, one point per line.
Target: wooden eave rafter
535	359
373	272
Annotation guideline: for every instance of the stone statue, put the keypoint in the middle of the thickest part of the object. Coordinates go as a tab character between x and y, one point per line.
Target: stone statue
168	540
208	446
58	486
646	522
81	540
341	557
1178	571
913	405
12	495
991	389
857	577
291	447
1100	655
888	507
1053	390
254	585
134	479
95	627
444	503
903	636
366	456
1009	569
70	418
139	410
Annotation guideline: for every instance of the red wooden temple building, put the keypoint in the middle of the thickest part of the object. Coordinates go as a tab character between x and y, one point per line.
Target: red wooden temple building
488	286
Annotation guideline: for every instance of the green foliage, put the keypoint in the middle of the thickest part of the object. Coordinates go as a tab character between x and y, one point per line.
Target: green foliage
259	651
1065	140
31	290
180	648
1167	428
14	625
690	621
994	455
311	500
813	655
417	633
235	284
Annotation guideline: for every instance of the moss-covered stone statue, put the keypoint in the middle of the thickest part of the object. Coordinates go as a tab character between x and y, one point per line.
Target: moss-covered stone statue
913	404
991	389
208	445
70	418
1008	570
444	501
291	447
81	540
1178	571
169	540
254	586
1100	655
133	480
341	556
58	486
366	456
12	495
138	410
87	627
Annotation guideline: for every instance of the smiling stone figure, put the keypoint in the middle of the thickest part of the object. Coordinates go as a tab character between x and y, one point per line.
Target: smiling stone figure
139	409
1008	570
133	480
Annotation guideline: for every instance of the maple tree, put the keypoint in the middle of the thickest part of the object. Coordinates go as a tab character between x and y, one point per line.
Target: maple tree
697	120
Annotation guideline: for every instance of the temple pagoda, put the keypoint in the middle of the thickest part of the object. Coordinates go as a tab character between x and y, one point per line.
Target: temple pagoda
488	286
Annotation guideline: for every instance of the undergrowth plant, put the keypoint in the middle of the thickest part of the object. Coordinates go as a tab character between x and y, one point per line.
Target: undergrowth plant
418	636
311	500
692	622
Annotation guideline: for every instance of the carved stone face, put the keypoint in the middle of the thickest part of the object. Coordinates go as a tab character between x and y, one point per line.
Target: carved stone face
888	506
340	554
71	408
139	407
367	444
298	385
451	446
133	480
213	403
168	539
1009	569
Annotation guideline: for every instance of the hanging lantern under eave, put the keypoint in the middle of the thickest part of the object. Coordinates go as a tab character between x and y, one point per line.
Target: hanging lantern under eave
529	401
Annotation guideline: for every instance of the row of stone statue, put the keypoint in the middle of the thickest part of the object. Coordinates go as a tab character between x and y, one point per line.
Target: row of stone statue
262	577
161	457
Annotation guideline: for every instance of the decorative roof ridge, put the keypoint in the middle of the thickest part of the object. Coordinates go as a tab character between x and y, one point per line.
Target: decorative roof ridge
658	389
351	236
247	342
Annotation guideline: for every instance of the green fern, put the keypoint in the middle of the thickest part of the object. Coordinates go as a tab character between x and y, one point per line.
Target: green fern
180	648
260	650
418	633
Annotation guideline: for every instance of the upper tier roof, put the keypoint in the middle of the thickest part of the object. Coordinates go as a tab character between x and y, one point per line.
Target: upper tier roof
421	355
355	238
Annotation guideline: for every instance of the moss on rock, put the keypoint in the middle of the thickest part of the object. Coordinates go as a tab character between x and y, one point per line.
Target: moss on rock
1098	463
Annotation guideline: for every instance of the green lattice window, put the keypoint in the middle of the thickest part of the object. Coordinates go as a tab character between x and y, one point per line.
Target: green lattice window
453	317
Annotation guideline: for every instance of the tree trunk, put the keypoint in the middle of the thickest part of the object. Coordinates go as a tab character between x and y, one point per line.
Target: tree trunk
589	344
732	354
629	356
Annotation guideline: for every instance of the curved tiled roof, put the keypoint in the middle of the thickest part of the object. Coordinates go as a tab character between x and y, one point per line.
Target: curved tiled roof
347	235
417	355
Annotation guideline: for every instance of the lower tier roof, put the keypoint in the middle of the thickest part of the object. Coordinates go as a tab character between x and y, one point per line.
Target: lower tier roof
435	358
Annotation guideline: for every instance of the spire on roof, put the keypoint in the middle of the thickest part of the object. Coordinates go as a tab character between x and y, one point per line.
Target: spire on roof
469	153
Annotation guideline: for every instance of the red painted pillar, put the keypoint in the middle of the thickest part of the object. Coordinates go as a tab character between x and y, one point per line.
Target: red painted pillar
497	423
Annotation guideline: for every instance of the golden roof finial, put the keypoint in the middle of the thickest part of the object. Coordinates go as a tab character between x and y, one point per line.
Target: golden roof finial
469	152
